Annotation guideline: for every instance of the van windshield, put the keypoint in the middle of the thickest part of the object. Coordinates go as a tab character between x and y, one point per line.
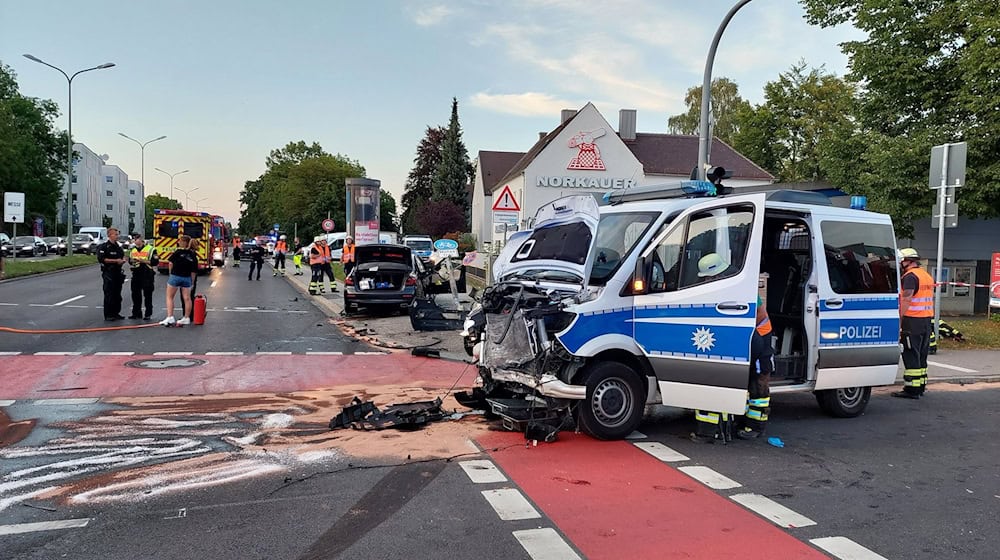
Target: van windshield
419	244
617	235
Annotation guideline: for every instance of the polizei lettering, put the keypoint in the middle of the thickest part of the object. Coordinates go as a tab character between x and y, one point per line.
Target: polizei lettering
862	332
585	182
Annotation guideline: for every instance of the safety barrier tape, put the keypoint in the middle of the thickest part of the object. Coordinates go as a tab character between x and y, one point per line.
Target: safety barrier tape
967	285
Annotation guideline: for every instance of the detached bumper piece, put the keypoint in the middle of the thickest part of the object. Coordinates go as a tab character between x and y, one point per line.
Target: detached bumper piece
364	415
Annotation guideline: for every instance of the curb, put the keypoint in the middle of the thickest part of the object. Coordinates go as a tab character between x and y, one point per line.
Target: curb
329	307
966	379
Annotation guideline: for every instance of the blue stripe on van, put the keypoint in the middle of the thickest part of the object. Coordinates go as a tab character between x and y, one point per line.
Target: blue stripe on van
859	332
863	304
592	325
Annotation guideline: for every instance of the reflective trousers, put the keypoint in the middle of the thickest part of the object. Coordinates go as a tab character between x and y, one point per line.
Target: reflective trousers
916	340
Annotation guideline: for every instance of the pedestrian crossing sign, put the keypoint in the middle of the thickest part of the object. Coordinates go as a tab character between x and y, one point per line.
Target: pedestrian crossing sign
506	201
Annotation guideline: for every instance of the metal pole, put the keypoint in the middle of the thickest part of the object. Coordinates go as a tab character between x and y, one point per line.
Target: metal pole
706	91
940	248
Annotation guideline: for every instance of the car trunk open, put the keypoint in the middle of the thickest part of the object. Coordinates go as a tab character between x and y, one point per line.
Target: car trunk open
381	267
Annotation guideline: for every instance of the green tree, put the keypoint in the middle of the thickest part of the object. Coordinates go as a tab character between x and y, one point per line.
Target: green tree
32	152
726	107
106	221
303	184
451	178
388	220
803	111
417	191
931	72
157	201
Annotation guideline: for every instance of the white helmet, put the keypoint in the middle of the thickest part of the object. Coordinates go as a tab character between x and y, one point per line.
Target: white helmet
282	238
710	265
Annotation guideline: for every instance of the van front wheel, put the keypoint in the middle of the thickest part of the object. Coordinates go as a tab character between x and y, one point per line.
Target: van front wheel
844	403
615	401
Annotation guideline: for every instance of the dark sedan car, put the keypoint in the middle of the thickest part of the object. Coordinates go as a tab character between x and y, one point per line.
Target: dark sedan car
57	245
383	277
84	243
26	246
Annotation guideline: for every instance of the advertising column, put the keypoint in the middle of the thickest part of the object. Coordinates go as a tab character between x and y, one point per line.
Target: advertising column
995	282
362	209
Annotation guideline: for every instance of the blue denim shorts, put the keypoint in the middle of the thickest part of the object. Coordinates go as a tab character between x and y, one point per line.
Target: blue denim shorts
179	281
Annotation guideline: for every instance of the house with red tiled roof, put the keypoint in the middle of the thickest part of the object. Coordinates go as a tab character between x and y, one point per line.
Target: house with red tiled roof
585	154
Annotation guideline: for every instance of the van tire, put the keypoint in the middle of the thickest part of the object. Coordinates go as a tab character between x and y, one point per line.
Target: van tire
615	401
848	402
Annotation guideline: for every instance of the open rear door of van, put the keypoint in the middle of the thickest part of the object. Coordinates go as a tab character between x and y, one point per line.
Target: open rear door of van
696	319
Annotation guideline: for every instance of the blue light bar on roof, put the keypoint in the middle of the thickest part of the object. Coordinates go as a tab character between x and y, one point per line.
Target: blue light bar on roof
698	187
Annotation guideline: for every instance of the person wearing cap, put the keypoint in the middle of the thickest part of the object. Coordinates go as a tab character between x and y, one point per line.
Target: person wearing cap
916	310
347	256
142	260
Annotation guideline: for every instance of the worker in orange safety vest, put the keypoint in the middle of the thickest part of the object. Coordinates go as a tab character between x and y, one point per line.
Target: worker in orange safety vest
916	311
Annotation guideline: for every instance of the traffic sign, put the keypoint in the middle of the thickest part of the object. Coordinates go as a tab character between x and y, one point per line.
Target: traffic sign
447	247
506	200
13	207
505	217
328	225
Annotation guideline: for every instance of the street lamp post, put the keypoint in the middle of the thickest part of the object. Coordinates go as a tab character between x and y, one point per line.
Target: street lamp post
706	92
171	179
187	195
69	139
142	151
198	202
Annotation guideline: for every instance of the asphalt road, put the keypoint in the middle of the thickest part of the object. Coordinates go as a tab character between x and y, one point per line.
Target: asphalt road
244	316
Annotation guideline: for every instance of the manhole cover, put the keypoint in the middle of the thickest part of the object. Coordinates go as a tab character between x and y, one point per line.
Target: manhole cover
165	363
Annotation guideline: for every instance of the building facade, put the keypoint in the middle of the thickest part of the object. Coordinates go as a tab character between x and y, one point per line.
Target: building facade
136	206
585	155
87	182
114	196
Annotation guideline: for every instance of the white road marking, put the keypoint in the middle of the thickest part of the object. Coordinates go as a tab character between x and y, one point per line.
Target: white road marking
10	304
60	402
545	544
777	513
246	308
956	368
636	435
846	549
267	311
58	353
482	471
510	504
79	306
223	353
114	353
661	452
172	353
710	478
39	305
43	526
324	353
214	282
274	353
10	353
67	301
370	353
6	403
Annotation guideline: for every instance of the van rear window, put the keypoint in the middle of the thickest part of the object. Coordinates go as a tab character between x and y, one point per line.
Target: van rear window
167	229
860	258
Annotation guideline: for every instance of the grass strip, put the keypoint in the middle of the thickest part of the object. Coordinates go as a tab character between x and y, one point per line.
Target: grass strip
24	267
979	334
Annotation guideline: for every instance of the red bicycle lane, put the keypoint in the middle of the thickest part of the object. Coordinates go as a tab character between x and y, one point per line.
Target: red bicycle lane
613	500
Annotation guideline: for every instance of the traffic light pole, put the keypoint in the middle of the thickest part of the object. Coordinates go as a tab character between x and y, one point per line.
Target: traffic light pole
704	139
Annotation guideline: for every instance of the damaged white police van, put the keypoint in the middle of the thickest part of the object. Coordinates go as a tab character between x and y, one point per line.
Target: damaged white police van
601	310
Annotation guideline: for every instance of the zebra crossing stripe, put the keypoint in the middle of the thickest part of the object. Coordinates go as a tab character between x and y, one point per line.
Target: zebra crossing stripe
482	471
846	549
710	478
661	452
769	509
545	544
43	526
510	504
6	403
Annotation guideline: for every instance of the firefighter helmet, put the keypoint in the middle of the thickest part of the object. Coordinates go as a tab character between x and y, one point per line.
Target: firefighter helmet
908	253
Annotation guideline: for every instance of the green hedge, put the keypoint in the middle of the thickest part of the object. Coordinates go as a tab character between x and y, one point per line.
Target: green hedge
24	267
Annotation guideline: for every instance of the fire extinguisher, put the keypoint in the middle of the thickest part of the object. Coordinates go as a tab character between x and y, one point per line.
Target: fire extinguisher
200	309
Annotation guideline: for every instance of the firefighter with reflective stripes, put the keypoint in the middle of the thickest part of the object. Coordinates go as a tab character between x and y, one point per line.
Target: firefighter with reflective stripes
761	368
318	256
916	311
280	248
143	262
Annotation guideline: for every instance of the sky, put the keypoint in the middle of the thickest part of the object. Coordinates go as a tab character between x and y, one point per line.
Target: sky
227	81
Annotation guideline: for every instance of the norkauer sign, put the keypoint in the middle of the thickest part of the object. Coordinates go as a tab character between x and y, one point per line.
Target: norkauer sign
586	182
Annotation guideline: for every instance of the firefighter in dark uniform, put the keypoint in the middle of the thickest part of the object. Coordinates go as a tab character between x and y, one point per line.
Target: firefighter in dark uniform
112	257
916	311
143	260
